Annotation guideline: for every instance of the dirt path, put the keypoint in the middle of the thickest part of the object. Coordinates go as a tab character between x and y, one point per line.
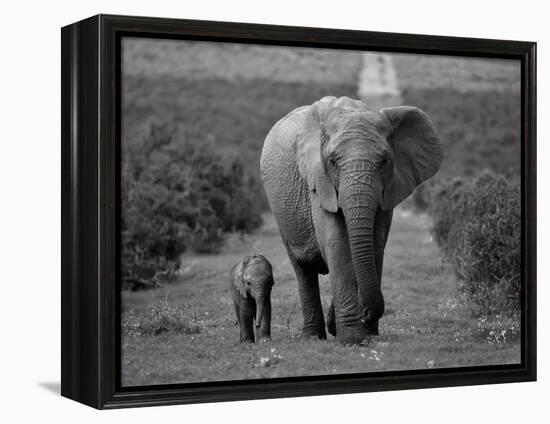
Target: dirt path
425	325
378	85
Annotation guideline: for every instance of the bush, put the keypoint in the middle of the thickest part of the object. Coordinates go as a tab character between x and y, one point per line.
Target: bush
442	202
478	226
162	317
179	194
420	199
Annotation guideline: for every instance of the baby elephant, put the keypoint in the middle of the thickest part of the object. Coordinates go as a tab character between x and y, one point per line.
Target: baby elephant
251	283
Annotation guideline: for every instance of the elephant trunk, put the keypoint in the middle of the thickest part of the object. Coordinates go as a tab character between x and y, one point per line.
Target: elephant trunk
263	308
359	204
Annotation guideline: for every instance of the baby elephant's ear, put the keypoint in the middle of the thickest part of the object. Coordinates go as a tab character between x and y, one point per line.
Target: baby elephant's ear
238	280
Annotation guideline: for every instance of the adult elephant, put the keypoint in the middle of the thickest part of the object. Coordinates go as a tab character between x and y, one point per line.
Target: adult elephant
333	172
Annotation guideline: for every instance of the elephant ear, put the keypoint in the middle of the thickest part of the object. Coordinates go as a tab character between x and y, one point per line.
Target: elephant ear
238	279
417	152
310	162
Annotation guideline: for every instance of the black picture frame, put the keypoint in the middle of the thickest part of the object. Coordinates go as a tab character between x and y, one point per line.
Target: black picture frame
90	140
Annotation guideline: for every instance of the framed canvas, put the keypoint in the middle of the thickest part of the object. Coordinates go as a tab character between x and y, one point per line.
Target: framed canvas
254	211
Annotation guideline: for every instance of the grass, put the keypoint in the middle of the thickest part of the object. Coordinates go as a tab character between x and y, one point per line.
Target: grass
426	324
236	62
458	73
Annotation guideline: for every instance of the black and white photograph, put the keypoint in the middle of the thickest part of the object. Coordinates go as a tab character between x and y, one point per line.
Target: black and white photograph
302	211
277	212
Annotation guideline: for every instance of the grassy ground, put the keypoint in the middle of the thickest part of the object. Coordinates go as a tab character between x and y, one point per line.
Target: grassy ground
426	325
199	60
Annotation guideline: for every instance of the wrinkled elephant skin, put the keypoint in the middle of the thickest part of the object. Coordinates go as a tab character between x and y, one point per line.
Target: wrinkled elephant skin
333	172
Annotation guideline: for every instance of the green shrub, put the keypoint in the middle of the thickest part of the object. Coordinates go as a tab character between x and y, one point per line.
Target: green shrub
420	198
442	199
161	317
487	256
179	193
478	226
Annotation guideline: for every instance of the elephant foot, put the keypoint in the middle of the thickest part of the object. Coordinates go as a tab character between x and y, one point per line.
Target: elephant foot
247	339
371	328
352	339
331	321
309	332
353	334
351	331
264	338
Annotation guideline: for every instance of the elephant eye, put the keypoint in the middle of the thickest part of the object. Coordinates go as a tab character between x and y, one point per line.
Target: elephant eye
332	161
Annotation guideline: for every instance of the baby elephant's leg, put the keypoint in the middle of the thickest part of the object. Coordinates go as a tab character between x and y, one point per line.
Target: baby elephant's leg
246	317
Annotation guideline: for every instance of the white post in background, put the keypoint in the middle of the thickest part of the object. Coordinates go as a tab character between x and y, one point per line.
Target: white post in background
378	85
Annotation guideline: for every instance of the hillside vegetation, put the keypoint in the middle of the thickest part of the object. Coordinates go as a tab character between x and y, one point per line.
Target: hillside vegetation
478	130
196	60
473	75
194	119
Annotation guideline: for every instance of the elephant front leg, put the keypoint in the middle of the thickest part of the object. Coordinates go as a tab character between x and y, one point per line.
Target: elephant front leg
343	316
312	310
246	317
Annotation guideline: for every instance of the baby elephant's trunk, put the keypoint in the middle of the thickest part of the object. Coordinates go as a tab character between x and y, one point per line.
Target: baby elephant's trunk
263	317
260	309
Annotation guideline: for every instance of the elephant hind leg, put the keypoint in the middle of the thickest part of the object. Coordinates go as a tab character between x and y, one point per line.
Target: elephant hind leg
312	310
